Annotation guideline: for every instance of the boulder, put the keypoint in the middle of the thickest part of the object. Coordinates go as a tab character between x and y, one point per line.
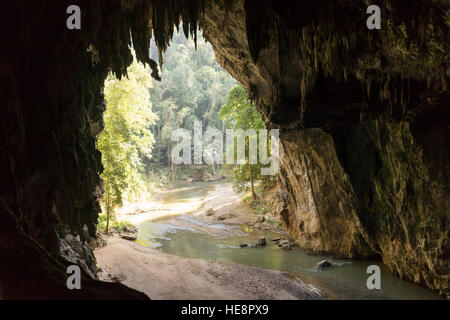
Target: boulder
129	229
286	244
261	242
323	264
128	237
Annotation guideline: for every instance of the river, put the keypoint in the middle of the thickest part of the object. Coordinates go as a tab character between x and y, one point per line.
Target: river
187	235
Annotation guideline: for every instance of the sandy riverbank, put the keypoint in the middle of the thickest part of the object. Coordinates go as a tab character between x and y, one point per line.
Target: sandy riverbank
227	207
164	276
221	197
156	207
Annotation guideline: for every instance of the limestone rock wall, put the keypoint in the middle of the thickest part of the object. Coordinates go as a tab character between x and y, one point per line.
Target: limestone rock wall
322	207
388	200
363	154
402	197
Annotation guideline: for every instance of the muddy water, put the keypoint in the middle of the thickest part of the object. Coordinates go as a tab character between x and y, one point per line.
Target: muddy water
187	236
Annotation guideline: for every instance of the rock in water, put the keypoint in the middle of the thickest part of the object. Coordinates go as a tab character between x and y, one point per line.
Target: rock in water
323	264
261	242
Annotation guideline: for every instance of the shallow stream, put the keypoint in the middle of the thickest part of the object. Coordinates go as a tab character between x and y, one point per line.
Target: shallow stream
188	236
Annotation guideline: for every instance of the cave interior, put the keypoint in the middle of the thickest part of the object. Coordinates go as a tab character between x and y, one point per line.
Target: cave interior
363	118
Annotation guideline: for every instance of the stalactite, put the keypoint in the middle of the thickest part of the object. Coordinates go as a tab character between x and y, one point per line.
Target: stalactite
412	45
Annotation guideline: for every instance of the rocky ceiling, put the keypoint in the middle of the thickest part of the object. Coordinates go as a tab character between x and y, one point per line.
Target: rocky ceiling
363	113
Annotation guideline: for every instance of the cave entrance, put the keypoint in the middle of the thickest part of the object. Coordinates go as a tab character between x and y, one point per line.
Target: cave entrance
180	209
52	164
143	114
52	107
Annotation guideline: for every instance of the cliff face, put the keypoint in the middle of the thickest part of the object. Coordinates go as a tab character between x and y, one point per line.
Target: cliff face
381	194
363	151
402	197
364	125
52	103
321	213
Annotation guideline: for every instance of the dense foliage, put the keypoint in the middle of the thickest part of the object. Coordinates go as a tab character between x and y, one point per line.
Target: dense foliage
239	113
142	113
193	87
126	138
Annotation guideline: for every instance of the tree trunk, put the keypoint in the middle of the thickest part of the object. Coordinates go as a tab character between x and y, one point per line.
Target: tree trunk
251	182
108	209
213	170
107	221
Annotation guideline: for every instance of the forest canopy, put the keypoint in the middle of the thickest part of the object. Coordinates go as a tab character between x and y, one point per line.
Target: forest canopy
126	139
193	87
142	113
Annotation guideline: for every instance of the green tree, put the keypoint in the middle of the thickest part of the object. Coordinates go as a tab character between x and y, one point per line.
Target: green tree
126	138
239	113
193	87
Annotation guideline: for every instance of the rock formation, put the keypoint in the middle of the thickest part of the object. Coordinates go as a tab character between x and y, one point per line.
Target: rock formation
363	119
364	157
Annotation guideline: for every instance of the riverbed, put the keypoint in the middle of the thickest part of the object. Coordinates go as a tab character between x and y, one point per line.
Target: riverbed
194	236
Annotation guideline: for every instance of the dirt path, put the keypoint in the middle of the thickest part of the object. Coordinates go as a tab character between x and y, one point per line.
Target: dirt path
164	276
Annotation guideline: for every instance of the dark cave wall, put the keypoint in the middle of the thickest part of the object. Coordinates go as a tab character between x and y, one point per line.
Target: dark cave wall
52	105
51	94
364	120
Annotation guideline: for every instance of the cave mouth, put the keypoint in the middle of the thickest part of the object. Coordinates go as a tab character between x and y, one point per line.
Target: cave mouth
363	160
138	131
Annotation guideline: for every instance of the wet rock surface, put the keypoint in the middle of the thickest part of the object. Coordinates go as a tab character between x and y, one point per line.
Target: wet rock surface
285	244
323	264
261	242
380	208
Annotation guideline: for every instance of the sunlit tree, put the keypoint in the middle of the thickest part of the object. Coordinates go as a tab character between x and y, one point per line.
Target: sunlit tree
239	113
126	138
193	87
